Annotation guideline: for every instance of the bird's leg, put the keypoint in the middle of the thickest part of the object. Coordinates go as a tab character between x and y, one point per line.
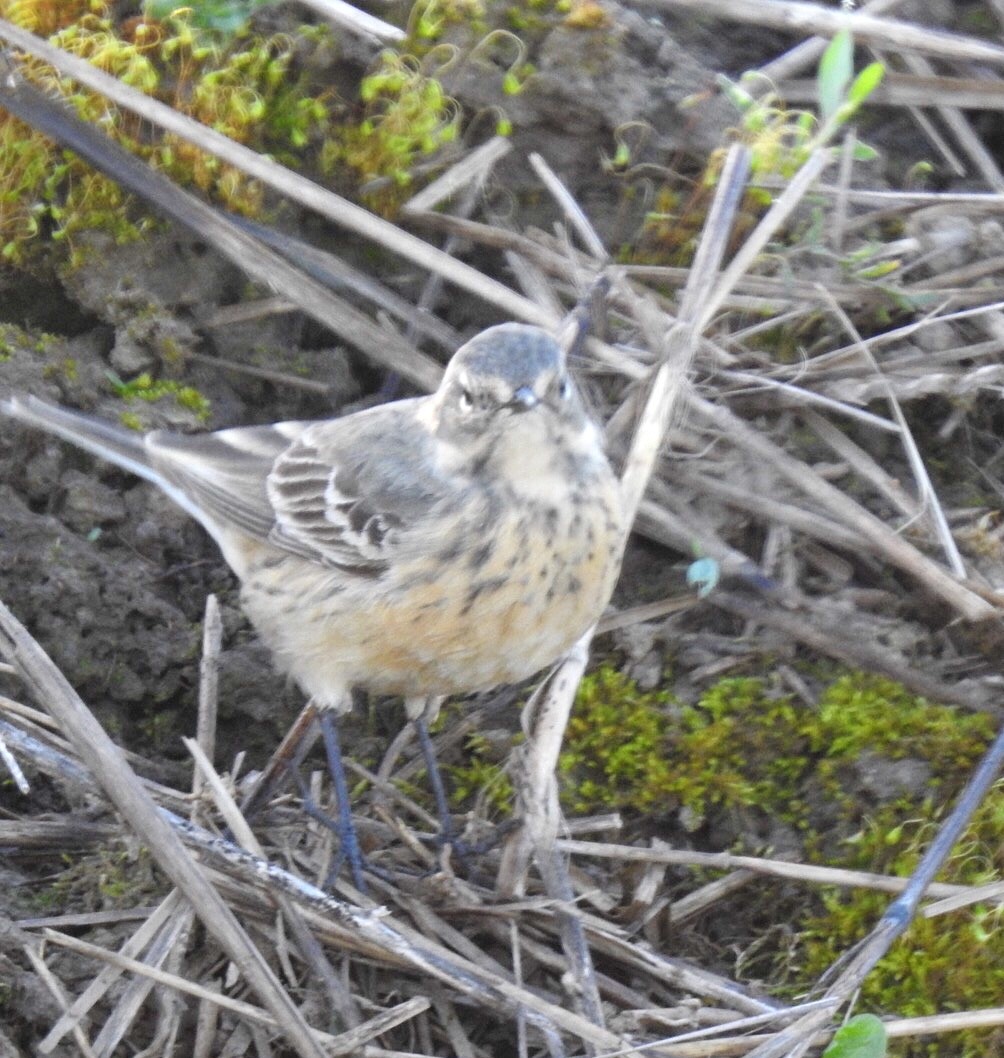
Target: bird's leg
344	826
421	712
287	759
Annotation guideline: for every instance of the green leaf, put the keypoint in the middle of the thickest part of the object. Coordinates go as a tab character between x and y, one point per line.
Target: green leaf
862	1037
864	153
866	82
835	70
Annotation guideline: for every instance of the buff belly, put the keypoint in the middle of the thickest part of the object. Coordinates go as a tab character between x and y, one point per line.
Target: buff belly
493	614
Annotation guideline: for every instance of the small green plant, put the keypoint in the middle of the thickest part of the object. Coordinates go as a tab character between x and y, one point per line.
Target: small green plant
863	1036
782	140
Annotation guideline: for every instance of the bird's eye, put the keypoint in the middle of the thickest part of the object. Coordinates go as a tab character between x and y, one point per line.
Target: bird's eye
565	388
466	400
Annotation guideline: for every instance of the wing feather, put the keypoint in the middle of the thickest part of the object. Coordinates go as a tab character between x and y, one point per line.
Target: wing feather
343	493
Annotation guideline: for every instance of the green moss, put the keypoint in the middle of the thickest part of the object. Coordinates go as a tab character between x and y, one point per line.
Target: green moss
744	747
247	88
104	879
951	962
481	776
615	754
429	18
66	369
159	729
407	116
145	387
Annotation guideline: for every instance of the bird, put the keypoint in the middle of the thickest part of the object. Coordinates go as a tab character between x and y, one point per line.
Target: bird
432	546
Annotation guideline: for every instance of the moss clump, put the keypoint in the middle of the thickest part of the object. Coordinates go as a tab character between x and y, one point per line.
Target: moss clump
482	776
951	962
65	369
428	19
247	88
43	17
106	879
742	747
145	387
407	116
616	743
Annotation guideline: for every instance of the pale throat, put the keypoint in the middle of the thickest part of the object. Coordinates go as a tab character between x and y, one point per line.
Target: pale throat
537	467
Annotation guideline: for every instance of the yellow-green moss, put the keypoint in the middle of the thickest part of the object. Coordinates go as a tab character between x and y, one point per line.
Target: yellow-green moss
483	776
743	746
615	746
407	116
145	387
429	18
951	962
104	879
247	88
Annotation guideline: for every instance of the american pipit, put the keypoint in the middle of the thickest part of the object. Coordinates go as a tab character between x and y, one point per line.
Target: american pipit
433	546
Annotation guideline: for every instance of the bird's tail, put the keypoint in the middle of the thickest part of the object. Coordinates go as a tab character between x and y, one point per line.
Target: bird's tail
114	443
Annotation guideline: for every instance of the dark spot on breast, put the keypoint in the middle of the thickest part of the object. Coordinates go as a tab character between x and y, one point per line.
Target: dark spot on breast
453	549
481	555
573	586
479	588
